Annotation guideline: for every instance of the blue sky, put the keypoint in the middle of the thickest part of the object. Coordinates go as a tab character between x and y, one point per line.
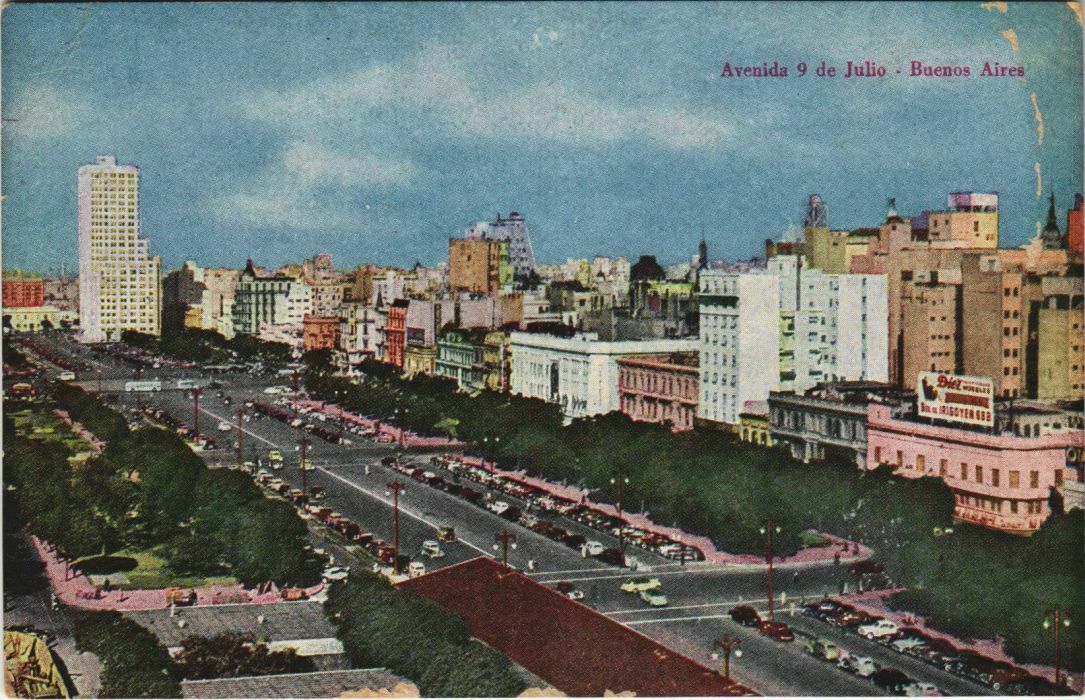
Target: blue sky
375	132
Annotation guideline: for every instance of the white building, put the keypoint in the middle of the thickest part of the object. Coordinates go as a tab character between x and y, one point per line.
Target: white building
262	300
579	373
120	283
787	328
739	342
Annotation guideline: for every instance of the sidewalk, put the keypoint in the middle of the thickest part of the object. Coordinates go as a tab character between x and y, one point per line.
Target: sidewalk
399	436
78	592
874	603
77	428
810	555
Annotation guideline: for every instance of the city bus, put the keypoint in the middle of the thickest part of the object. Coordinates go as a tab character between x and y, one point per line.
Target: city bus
147	385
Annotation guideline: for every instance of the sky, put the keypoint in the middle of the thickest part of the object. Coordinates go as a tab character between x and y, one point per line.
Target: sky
376	132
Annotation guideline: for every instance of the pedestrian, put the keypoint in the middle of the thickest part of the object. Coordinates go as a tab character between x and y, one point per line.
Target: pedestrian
836	559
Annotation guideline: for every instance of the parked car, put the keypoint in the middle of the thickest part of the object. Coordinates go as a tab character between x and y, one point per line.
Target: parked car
573	540
862	666
612	556
850	619
274	456
776	630
416	569
654	598
432	549
907	645
822	649
595	548
575	594
66	376
642	583
746	616
876	630
564	587
890	680
446	533
336	573
1033	685
498	507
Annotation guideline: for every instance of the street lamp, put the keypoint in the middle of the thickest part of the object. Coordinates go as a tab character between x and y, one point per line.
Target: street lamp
339	404
490	442
619	481
727	645
768	530
1054	619
396	487
400	416
196	391
304	442
503	539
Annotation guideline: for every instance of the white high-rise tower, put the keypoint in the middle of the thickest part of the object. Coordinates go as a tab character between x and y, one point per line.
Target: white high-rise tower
120	283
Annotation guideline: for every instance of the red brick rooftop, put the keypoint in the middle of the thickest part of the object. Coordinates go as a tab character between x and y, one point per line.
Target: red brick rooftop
569	645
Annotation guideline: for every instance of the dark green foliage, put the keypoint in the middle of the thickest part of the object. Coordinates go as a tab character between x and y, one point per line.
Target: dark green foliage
135	664
382	626
232	655
13	357
196	345
104	422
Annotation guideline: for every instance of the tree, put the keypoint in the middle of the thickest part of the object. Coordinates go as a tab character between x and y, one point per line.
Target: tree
230	655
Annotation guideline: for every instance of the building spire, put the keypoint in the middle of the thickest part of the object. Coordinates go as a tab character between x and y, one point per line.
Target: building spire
1051	235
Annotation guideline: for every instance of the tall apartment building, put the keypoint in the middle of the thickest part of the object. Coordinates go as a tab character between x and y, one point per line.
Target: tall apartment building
512	231
1060	339
787	328
262	300
478	265
120	283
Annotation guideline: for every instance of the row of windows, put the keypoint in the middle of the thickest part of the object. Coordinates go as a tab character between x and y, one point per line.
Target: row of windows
995	504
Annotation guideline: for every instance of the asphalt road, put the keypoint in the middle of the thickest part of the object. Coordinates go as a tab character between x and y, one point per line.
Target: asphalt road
700	595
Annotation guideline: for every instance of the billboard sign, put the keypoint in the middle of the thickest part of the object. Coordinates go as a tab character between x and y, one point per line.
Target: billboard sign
956	398
416	337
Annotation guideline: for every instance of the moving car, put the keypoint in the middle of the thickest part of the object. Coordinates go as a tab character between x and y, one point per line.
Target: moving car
776	630
416	569
822	649
862	666
918	689
432	549
643	583
274	456
907	645
746	616
594	548
876	630
498	507
446	533
612	556
654	598
225	427
890	680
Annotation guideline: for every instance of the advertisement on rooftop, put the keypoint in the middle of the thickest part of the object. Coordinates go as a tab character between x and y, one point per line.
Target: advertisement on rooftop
956	398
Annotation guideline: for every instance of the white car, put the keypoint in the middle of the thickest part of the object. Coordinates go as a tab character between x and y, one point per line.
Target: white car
576	594
595	548
273	390
432	549
336	573
225	427
862	666
918	689
66	376
498	507
879	629
415	569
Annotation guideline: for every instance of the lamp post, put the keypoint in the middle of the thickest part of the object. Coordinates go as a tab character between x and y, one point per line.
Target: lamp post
296	377
196	410
304	443
339	405
240	415
1054	619
619	481
727	645
768	530
400	415
490	442
396	488
503	539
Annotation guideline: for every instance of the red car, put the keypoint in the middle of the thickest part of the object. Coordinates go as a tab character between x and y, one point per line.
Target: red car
777	630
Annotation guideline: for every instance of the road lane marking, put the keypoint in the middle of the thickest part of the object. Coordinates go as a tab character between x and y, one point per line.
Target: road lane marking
686	607
233	428
402	509
633	574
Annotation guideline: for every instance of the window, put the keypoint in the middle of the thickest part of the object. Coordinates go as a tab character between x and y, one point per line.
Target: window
964	471
900	458
920	462
1015	479
1034	479
979	474
878	454
1058	477
994	477
943	468
1013	506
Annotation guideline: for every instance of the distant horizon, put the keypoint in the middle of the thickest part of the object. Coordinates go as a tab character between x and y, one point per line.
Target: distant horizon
376	132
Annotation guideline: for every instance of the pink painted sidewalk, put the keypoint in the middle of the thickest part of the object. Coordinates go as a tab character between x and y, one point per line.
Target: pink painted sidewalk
704	544
404	437
78	592
88	437
875	603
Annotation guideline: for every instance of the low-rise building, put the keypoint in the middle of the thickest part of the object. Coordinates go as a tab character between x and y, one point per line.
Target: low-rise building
580	373
320	333
753	424
659	388
420	359
460	355
31	319
999	479
395	333
828	418
23	290
496	362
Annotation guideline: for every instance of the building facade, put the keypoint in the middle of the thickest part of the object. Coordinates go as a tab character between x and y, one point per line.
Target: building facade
23	290
659	388
420	359
268	300
479	265
460	357
395	333
578	373
513	232
1001	481
120	283
319	333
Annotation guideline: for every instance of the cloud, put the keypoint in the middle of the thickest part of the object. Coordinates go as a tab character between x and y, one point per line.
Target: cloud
436	82
42	113
292	191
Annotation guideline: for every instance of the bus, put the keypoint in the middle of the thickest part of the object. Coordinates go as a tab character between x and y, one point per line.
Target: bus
151	385
22	390
188	384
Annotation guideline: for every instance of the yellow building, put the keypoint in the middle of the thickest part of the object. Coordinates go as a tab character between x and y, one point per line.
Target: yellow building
826	250
753	424
419	359
478	265
30	318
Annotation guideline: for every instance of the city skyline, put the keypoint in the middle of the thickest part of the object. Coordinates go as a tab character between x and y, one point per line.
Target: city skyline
405	127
